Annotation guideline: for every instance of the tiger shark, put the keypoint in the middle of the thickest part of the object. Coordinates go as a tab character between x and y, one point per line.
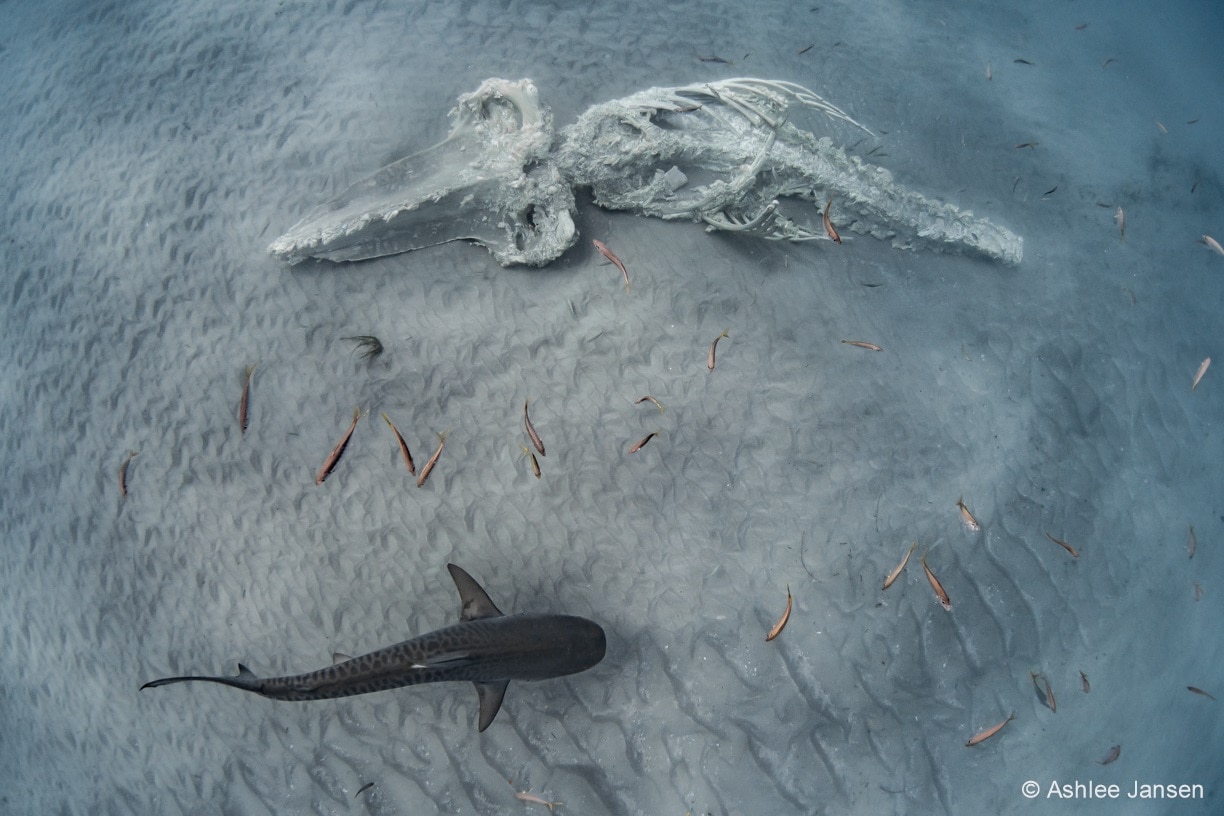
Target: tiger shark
486	647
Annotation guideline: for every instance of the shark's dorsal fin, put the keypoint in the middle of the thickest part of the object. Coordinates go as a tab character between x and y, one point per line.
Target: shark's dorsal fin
491	695
474	602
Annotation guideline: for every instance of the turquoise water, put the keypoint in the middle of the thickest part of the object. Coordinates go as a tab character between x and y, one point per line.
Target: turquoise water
152	153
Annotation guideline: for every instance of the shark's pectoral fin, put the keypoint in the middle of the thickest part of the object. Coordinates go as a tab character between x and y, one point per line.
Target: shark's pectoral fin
340	657
474	602
491	695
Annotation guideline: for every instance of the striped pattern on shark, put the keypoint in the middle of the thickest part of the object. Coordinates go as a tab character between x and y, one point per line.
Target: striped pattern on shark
486	648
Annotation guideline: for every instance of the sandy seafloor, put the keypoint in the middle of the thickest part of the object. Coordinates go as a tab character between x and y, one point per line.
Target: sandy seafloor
152	151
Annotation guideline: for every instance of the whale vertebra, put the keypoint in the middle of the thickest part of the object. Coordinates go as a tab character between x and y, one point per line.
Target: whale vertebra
486	647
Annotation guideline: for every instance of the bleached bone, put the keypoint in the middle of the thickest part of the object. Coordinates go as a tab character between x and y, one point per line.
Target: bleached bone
723	153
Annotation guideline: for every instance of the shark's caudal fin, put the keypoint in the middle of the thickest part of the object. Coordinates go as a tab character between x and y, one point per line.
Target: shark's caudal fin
474	602
246	680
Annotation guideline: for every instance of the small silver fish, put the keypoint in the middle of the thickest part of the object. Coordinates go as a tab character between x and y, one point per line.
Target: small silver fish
123	470
782	621
531	431
892	576
1198	375
966	516
611	256
940	594
989	732
333	458
245	403
642	442
403	446
433	460
710	358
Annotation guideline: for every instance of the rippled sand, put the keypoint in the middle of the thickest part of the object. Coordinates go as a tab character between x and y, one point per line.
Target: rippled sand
151	153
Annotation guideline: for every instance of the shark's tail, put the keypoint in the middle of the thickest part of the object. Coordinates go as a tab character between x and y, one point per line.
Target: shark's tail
246	680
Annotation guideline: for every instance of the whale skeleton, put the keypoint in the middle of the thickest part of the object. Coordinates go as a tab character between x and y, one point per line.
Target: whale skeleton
721	153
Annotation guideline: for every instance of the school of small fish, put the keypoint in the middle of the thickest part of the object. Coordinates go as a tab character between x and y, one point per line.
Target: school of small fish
1040	680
